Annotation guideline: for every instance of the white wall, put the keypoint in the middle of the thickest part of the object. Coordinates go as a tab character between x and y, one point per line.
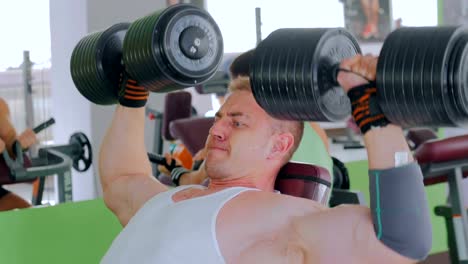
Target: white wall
69	22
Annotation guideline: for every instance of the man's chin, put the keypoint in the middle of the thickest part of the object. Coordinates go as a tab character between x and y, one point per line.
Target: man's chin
216	154
214	167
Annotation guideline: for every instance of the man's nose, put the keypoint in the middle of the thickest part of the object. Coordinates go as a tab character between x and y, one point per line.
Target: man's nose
219	130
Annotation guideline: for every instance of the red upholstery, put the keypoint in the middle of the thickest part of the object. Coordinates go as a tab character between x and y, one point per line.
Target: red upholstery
443	177
304	180
5	171
177	105
448	149
295	179
440	151
417	136
192	132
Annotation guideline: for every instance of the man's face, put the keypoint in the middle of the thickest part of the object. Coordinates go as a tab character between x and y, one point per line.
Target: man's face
240	139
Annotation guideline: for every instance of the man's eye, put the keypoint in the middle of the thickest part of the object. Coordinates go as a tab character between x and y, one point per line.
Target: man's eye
236	124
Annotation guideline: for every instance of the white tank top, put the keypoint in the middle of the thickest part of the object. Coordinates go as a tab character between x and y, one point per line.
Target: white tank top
166	232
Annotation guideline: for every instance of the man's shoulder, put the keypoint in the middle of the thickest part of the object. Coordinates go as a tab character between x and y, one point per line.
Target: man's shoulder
283	202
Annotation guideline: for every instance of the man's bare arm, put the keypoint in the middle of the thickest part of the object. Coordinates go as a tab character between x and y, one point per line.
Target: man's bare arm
124	168
398	205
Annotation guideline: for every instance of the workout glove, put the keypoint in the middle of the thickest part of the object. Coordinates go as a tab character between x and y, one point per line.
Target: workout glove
365	108
131	94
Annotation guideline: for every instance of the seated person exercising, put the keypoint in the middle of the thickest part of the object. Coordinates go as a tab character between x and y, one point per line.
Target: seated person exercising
239	218
8	136
314	138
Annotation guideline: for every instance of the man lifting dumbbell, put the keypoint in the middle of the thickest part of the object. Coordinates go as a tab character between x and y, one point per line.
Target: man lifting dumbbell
238	218
244	134
8	136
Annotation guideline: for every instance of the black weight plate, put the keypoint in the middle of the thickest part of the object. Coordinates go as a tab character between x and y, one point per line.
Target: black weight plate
272	92
285	103
429	89
291	99
454	79
156	52
461	87
412	77
267	79
439	47
257	77
264	81
83	153
402	89
385	76
423	44
95	64
299	83
402	79
307	106
456	67
333	47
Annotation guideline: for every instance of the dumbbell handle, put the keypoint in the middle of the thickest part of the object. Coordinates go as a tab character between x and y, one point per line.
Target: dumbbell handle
335	70
36	130
161	160
44	125
158	159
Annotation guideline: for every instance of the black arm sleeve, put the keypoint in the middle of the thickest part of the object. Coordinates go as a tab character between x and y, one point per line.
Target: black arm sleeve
400	210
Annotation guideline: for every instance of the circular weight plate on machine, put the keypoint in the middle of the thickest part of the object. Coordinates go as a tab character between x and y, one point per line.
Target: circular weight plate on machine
292	73
95	64
175	48
82	151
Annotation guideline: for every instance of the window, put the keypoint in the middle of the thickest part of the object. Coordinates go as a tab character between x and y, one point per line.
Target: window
25	26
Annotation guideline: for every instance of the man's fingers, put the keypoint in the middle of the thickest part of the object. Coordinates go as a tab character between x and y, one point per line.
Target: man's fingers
349	62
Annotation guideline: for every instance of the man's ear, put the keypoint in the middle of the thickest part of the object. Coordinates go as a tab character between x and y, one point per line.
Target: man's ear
282	143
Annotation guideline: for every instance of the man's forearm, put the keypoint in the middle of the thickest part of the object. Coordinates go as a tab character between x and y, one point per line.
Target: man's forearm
383	143
123	151
398	200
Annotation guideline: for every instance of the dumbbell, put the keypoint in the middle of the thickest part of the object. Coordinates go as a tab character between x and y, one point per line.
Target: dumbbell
421	75
171	49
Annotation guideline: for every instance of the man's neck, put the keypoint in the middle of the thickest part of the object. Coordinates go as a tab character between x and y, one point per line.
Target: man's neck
264	184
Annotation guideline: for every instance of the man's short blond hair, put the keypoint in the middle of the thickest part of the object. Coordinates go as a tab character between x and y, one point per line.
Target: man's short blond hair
296	128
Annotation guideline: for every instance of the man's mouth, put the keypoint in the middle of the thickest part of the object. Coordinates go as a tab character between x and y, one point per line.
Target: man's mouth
214	147
217	148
